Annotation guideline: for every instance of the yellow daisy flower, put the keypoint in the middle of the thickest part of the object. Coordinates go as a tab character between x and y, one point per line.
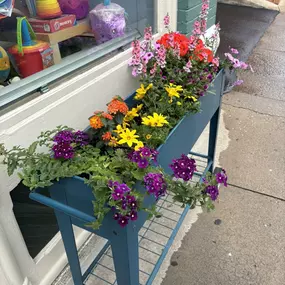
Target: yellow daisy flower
133	113
157	120
148	136
142	91
129	137
173	91
139	145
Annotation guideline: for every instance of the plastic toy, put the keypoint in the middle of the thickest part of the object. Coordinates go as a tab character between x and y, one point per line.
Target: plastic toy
4	65
31	56
48	9
107	21
79	8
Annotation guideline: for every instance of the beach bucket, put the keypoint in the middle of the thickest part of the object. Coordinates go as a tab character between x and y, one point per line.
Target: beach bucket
31	56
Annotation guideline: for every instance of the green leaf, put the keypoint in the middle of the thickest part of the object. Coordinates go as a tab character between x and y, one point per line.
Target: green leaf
32	148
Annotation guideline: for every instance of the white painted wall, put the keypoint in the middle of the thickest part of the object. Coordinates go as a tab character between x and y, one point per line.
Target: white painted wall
70	104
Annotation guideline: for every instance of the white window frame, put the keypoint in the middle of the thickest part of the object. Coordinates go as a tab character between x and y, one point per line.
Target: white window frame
70	103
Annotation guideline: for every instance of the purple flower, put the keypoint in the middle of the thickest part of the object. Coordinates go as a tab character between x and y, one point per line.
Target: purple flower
116	216
154	154
133	215
213	191
124	204
145	151
143	163
134	156
210	77
117	194
81	138
183	167
64	136
222	178
132	202
124	187
123	221
155	184
63	150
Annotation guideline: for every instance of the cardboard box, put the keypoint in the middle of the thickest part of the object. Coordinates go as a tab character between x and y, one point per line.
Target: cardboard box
53	25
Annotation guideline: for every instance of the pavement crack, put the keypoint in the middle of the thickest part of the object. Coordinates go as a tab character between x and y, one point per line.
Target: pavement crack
256	192
257	112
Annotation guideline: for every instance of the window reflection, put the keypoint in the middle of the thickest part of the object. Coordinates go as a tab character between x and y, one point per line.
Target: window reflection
52	30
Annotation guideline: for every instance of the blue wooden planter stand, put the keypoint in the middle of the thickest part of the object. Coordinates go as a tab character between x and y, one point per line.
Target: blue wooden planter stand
71	199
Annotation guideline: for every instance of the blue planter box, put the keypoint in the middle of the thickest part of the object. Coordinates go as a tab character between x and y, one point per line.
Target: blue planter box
72	199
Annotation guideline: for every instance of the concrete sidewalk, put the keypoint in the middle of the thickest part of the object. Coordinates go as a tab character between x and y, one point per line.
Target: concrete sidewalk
243	241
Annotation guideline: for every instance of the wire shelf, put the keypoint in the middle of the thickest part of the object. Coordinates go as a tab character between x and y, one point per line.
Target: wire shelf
155	238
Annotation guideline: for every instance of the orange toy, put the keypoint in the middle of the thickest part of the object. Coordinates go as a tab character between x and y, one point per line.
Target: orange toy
48	9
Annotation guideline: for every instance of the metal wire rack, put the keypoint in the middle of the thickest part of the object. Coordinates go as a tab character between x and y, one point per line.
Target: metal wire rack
155	238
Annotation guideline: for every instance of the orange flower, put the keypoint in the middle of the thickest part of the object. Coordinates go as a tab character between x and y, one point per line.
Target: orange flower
95	122
107	116
113	142
107	136
118	105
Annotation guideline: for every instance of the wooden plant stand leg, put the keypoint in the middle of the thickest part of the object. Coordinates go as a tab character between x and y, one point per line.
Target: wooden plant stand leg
65	225
125	249
214	126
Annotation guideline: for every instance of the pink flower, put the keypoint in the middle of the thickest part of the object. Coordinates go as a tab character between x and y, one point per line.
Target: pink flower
229	56
205	6
237	63
148	33
188	66
238	82
243	65
216	61
166	20
197	24
234	51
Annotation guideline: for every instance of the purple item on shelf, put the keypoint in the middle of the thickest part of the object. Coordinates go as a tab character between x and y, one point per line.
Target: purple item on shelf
79	8
107	22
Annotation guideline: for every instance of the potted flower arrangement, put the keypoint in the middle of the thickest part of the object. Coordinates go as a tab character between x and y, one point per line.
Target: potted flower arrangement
136	150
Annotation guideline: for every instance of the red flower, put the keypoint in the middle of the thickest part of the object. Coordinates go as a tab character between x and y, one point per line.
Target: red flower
202	53
175	39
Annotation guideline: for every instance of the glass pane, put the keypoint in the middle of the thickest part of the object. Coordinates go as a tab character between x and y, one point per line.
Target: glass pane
81	31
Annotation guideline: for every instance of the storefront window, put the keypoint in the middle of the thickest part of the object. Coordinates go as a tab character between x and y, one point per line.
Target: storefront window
44	40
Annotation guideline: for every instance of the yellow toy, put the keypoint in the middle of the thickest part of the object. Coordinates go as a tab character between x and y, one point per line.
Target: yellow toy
4	65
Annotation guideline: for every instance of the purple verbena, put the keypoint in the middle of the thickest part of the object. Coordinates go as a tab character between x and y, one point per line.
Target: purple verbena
222	178
155	184
213	192
183	167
